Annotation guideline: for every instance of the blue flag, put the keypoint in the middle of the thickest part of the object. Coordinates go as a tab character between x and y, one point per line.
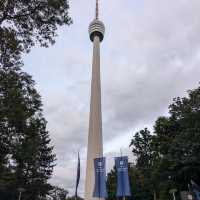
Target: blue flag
100	178
196	189
123	186
78	175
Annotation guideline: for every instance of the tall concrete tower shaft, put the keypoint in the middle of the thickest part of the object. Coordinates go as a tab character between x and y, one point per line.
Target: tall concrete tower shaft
95	140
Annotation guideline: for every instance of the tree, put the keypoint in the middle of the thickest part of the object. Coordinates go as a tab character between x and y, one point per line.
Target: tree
185	148
23	23
58	193
169	158
26	155
177	140
139	189
112	184
142	149
73	198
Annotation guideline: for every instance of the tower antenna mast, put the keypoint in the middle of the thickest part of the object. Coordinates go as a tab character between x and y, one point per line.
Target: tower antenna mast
97	9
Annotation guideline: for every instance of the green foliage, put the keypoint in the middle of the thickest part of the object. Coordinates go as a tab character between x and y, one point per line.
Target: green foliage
170	156
73	198
58	193
26	156
138	183
112	184
23	23
142	149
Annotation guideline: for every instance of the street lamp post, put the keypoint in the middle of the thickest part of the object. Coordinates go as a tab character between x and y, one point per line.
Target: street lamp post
173	191
21	190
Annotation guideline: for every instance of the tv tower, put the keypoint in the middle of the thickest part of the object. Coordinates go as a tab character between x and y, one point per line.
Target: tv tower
95	140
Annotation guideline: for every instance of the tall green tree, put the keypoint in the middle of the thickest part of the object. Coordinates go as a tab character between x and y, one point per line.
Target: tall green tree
26	155
184	150
141	145
23	23
141	148
170	155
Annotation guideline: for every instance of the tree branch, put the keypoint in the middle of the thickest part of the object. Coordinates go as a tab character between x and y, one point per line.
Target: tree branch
5	12
38	7
17	16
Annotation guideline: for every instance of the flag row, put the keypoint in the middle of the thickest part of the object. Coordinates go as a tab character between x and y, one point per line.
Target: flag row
123	186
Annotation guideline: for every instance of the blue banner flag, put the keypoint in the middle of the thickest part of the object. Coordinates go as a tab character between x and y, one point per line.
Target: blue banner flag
123	186
78	175
196	189
100	178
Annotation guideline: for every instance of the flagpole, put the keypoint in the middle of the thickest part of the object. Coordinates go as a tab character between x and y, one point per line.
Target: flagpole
20	194
124	197
174	196
77	176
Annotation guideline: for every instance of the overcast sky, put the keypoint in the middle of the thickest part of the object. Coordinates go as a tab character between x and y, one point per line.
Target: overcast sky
150	54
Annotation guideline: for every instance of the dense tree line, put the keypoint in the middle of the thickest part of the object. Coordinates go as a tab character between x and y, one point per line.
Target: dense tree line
169	157
26	152
26	155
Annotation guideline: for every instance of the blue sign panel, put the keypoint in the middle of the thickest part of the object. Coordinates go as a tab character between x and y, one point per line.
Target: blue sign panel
100	178
123	186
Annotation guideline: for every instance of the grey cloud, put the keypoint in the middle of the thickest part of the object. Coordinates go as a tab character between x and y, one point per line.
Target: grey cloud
151	53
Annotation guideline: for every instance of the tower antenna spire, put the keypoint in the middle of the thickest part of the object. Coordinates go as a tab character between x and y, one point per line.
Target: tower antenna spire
97	9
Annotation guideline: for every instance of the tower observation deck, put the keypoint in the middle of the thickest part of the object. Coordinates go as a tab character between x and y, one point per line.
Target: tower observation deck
95	139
